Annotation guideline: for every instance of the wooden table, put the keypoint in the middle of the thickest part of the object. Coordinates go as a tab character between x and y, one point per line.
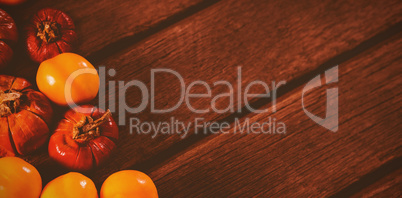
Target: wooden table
291	41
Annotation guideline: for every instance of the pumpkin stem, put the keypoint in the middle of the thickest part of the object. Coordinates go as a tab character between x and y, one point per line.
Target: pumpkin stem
87	128
9	102
48	31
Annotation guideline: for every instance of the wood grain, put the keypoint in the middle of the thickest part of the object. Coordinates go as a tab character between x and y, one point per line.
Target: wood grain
271	40
389	186
308	160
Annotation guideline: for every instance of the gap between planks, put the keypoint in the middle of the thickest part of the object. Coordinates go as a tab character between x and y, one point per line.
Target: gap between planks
392	167
180	147
129	41
148	57
176	166
161	50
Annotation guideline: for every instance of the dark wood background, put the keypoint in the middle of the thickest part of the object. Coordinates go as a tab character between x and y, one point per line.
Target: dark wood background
272	41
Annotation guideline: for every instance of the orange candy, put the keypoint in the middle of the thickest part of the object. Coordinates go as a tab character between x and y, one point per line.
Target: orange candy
70	185
18	179
128	183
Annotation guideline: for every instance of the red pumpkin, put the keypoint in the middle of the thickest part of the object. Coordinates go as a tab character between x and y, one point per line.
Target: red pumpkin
24	116
5	153
50	33
8	35
83	140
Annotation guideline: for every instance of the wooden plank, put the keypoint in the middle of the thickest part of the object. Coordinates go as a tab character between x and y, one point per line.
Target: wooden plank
272	40
389	186
308	160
